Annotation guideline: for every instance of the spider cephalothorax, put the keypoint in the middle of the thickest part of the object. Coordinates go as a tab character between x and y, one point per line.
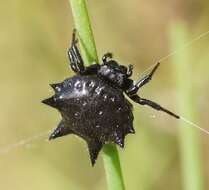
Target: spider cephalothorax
116	74
92	103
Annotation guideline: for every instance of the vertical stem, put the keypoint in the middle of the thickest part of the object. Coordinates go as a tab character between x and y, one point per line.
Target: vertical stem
88	51
83	26
113	168
191	161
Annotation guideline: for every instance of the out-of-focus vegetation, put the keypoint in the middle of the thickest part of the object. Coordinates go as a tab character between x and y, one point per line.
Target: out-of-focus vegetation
189	139
34	37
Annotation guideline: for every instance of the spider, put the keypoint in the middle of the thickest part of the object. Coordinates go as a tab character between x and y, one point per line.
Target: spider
92	103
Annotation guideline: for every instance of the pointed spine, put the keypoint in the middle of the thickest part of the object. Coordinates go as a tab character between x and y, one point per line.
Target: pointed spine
118	138
51	102
94	147
57	87
60	131
130	130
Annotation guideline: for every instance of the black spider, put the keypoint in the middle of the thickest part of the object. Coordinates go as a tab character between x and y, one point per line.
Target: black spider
92	102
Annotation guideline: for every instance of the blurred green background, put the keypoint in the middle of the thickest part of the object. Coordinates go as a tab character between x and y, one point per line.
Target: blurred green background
33	42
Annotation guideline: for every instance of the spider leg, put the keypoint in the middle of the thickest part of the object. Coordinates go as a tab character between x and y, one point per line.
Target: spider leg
134	89
152	104
106	57
131	92
129	71
76	61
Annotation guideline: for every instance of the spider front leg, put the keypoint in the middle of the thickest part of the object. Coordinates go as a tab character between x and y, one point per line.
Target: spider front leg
152	104
106	57
76	61
134	89
129	71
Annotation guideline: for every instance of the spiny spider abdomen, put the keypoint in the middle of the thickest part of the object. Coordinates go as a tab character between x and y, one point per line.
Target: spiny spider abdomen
92	103
92	110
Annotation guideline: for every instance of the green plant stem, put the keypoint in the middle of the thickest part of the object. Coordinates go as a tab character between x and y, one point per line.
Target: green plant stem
113	168
88	51
83	27
191	161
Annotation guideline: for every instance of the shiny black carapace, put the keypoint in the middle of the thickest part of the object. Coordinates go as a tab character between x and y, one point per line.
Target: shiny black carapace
92	103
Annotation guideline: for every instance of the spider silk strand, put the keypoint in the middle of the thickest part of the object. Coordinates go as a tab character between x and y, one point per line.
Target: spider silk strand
188	44
194	125
24	142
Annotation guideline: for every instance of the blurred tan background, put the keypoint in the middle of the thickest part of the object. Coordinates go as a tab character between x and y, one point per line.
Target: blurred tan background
34	37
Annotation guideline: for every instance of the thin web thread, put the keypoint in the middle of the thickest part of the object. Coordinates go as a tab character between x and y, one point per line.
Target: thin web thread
174	53
194	125
24	142
178	50
185	46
